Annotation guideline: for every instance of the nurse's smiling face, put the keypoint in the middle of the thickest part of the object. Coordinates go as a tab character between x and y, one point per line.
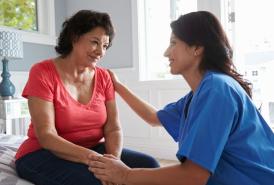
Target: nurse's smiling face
182	57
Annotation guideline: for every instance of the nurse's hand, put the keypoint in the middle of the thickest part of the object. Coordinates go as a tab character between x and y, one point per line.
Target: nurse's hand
107	183
114	79
109	169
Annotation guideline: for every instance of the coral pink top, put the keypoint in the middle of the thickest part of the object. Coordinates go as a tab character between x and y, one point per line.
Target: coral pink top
81	124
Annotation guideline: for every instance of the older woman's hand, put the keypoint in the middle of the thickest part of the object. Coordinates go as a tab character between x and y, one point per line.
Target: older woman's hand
108	168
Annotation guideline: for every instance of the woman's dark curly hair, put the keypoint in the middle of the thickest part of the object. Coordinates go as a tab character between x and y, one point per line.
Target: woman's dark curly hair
202	28
79	24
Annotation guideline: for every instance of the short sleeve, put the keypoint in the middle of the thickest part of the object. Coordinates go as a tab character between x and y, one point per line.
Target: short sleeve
207	129
109	88
39	83
170	117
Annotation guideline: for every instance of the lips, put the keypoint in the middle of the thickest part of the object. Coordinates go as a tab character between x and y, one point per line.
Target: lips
94	59
170	61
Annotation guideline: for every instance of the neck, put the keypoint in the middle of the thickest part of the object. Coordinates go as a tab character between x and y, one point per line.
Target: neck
193	79
73	71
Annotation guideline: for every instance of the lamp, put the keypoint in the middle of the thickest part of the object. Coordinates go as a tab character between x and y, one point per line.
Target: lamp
11	47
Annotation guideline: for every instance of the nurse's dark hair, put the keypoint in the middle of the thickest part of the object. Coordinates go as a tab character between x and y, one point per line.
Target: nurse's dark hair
202	28
79	24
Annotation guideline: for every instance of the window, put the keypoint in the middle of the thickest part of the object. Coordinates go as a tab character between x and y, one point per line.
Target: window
34	18
19	14
154	33
249	30
251	34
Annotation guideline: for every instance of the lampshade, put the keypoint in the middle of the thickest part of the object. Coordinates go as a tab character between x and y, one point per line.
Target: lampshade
11	47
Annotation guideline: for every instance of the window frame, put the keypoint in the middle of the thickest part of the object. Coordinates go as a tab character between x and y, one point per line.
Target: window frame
46	25
140	50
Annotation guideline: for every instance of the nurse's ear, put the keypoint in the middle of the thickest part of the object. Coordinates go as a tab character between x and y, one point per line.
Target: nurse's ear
198	51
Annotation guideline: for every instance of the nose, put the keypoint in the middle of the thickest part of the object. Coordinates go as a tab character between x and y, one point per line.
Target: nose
100	50
166	53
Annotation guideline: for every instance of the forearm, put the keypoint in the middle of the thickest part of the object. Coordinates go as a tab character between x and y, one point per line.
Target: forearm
43	118
65	149
114	143
159	176
146	111
113	170
176	175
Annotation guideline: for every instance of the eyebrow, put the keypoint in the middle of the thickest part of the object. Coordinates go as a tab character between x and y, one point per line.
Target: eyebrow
94	37
173	37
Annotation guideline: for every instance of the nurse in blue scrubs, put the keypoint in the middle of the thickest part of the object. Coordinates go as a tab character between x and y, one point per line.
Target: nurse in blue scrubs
222	138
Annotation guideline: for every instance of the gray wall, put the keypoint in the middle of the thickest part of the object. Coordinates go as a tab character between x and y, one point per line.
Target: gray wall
34	53
118	56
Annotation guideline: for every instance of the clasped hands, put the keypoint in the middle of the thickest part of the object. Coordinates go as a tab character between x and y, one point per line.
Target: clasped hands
108	168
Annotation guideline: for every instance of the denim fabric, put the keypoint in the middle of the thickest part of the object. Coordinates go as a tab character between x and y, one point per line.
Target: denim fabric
44	168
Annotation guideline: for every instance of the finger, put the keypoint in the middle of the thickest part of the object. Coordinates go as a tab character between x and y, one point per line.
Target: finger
109	183
104	183
101	177
110	156
96	164
97	171
109	71
97	158
93	156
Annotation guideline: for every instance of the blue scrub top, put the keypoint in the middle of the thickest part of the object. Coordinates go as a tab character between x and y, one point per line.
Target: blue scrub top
223	132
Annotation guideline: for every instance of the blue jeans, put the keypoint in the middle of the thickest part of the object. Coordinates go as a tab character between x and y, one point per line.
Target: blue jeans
44	168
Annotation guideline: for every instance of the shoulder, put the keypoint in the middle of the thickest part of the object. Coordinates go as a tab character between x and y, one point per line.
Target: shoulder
219	81
220	85
42	66
102	73
216	78
43	71
101	70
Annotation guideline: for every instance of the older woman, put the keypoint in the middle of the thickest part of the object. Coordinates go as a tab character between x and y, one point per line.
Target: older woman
73	109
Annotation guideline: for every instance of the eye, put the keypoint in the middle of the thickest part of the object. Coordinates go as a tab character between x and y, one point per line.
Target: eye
94	42
172	43
105	46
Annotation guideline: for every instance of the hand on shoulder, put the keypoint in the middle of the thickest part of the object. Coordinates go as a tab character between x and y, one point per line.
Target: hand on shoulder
114	79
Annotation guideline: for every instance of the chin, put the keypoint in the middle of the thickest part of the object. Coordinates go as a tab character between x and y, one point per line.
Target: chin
172	72
92	65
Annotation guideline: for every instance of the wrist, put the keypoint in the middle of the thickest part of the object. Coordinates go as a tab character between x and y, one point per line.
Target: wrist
86	157
128	175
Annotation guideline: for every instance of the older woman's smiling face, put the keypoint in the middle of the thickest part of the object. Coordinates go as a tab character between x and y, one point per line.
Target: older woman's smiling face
91	47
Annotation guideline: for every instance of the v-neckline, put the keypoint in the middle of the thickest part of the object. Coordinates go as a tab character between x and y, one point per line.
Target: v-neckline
187	105
93	90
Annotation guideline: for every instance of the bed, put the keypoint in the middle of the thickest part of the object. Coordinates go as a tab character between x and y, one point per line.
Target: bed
8	147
